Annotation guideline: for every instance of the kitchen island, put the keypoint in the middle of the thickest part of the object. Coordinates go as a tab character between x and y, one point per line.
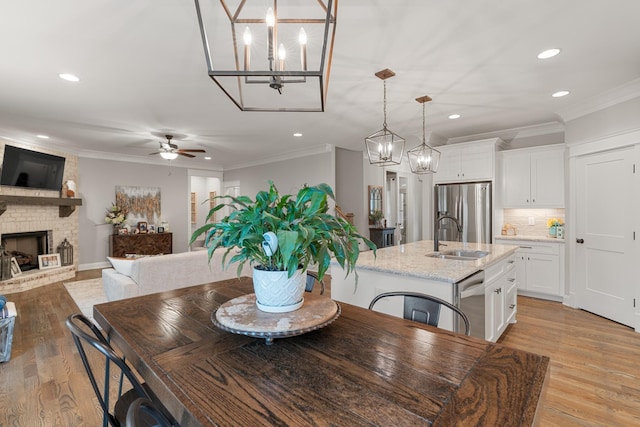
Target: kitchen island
409	267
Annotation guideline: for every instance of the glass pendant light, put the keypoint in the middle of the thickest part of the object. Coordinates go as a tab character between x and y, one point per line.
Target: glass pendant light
423	159
384	147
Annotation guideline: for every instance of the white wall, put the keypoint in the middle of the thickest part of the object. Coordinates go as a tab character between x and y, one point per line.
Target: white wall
289	175
97	180
350	195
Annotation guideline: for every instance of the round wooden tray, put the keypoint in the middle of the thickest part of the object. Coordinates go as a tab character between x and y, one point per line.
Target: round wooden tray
242	316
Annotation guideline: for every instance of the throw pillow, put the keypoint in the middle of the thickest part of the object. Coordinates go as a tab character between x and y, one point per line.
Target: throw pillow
122	265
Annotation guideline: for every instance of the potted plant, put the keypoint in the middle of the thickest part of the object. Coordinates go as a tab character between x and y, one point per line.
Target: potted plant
376	218
116	216
282	236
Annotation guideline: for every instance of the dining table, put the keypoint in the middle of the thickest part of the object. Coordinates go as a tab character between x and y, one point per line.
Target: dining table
358	368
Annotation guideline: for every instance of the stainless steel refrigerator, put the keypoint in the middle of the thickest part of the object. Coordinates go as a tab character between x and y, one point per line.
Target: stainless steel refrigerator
470	204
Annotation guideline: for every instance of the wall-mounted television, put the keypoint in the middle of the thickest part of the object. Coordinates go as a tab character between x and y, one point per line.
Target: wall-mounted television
27	168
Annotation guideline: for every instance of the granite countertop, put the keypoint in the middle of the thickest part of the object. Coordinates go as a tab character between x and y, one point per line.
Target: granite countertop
410	260
544	239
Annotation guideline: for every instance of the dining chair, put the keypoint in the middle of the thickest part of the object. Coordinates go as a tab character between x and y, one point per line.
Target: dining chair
423	308
312	278
144	413
87	336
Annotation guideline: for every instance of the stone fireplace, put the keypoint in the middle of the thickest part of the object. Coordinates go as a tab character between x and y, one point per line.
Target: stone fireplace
37	216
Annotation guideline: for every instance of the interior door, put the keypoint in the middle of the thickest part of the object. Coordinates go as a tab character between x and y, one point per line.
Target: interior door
604	235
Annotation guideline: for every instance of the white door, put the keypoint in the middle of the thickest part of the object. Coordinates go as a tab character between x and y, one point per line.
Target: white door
604	235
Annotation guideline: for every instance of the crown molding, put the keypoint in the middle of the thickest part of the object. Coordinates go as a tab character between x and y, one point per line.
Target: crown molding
609	98
294	154
514	133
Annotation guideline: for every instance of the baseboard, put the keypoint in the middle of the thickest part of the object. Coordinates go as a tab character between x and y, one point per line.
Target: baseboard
94	266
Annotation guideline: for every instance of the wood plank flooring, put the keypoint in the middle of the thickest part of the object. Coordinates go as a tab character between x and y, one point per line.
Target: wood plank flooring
594	381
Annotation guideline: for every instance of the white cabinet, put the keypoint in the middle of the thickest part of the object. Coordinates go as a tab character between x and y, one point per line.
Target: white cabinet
533	177
500	297
539	268
469	161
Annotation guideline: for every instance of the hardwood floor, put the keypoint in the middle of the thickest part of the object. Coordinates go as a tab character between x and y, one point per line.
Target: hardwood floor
595	369
594	379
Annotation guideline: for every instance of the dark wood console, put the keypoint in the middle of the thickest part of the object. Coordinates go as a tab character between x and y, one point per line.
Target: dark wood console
382	237
140	244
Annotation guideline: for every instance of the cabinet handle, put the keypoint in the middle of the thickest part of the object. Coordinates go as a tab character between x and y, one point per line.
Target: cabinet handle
533	201
526	247
512	280
498	291
581	241
527	200
512	306
511	262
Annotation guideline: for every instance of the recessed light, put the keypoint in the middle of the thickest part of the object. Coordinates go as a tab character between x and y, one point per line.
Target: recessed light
42	136
297	134
549	53
69	77
560	93
207	158
455	116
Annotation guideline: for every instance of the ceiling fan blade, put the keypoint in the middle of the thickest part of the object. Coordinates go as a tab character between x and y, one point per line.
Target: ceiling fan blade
195	150
184	154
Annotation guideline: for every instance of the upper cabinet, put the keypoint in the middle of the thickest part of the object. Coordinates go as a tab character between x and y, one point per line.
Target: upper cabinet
469	161
533	177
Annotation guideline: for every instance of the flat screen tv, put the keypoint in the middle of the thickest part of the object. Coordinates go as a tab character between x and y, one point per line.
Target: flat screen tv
27	168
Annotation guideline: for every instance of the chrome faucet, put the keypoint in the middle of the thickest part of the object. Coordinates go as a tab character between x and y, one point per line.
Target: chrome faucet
436	232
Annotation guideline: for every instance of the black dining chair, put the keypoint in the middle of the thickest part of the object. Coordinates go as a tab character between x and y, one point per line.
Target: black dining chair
86	337
423	308
312	278
144	413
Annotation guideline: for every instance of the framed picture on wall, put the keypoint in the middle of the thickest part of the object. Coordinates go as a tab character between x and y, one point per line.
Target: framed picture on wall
49	261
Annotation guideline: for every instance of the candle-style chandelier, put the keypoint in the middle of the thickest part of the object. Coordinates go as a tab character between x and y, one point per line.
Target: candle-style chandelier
423	159
277	56
384	147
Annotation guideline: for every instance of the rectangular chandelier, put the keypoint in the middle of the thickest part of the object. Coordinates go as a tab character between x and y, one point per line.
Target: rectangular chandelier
272	55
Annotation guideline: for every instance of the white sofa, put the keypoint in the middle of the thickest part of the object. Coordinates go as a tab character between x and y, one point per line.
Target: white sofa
148	275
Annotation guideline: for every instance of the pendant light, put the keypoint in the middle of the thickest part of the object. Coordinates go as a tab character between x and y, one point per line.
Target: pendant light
423	159
384	147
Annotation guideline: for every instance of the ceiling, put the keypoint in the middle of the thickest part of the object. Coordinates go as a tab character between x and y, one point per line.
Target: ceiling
143	74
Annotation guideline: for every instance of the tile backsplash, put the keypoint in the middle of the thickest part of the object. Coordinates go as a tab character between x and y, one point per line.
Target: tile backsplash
519	218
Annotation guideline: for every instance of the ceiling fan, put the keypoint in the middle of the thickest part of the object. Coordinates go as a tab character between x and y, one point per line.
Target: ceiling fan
170	151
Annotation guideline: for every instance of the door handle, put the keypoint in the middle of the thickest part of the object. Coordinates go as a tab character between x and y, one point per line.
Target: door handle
581	241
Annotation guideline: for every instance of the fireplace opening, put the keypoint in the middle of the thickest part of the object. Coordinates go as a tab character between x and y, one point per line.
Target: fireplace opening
25	247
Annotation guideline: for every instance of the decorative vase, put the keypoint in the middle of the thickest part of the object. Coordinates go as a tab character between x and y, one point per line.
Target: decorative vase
276	292
552	231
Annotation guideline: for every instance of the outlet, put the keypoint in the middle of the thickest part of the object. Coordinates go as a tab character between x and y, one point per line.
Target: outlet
532	220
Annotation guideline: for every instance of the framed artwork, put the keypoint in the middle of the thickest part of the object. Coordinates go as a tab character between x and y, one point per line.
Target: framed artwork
141	203
143	227
49	261
15	267
160	229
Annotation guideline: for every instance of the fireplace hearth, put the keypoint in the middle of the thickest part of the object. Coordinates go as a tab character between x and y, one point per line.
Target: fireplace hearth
26	247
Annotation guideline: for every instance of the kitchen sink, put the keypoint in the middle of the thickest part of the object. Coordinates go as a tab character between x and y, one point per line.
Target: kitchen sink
459	255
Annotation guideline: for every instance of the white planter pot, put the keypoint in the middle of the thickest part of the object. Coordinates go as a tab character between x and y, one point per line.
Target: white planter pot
277	293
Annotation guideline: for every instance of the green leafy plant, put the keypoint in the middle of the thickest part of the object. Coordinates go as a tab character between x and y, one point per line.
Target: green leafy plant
376	216
306	233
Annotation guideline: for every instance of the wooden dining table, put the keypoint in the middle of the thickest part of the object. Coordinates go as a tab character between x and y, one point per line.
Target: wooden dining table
363	369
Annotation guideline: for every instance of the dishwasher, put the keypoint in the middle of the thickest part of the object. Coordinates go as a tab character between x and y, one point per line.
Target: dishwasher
470	299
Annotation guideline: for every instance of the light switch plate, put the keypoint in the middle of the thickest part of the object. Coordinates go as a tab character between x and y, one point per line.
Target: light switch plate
532	220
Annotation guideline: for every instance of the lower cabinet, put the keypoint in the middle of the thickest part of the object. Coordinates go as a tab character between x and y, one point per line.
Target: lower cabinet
540	268
382	237
500	297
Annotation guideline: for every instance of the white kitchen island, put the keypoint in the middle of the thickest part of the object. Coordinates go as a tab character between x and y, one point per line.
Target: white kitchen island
409	268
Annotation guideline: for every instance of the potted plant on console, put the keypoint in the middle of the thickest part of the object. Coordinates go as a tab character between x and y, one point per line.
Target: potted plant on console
281	237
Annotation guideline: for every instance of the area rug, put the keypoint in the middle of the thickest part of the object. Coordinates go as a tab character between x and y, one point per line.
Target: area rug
86	294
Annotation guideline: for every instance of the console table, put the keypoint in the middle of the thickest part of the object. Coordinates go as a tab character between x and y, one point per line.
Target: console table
141	244
382	237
